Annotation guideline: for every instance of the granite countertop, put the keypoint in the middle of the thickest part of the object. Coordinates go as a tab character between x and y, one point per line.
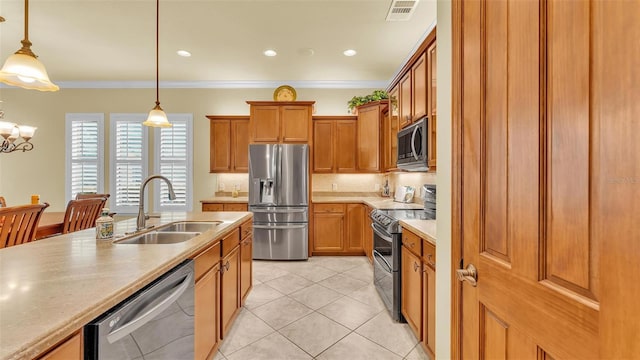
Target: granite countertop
426	229
225	199
52	287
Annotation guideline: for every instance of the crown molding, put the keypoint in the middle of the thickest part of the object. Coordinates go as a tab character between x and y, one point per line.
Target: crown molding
222	84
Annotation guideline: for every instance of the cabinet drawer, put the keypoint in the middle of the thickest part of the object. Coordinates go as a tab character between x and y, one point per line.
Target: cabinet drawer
235	207
334	208
230	242
412	242
212	207
429	253
246	229
206	260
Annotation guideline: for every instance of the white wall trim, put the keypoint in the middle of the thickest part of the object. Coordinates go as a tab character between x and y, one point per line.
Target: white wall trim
224	84
413	50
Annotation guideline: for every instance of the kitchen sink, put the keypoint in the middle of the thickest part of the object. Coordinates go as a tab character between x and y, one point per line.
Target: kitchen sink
159	237
190	226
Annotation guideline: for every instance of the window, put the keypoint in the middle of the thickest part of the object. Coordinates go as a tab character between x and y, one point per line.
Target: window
173	158
128	161
84	166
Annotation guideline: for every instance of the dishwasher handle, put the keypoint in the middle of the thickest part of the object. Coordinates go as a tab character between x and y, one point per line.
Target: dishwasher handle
149	315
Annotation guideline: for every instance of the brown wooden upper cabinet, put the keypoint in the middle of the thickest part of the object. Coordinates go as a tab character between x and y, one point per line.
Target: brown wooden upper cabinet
419	88
334	141
369	133
404	100
280	121
228	144
431	104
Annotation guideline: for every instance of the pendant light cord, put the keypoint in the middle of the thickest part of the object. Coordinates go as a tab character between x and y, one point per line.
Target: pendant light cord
26	20
157	52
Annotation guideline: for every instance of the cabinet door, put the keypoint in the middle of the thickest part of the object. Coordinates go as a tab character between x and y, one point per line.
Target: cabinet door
246	266
68	350
240	149
355	229
404	115
328	229
230	280
368	139
429	309
345	146
419	87
391	127
368	235
431	105
295	122
207	320
323	144
412	291
220	146
212	207
265	123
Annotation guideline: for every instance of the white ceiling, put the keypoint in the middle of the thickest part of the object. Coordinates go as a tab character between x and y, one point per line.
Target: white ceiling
88	41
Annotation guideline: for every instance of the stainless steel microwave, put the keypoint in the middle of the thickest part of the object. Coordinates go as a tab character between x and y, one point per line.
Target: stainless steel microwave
412	146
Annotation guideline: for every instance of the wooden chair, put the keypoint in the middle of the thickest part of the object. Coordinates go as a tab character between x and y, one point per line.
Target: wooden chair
81	196
2	202
18	224
82	214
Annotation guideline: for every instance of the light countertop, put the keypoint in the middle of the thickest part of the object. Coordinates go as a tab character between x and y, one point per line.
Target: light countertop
52	287
374	202
426	229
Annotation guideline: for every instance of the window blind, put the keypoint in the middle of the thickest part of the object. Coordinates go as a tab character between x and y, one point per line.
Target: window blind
84	154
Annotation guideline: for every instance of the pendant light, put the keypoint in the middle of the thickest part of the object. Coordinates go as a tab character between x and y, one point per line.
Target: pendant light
157	117
23	68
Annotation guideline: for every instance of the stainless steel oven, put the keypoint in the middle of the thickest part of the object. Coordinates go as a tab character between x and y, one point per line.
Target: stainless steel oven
386	269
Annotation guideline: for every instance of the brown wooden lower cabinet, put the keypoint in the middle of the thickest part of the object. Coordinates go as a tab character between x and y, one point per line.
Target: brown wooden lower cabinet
429	309
412	290
338	229
224	207
70	349
230	297
367	235
246	261
207	318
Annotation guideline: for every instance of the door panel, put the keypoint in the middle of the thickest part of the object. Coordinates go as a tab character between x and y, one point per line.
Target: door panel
220	147
345	146
240	139
323	140
295	123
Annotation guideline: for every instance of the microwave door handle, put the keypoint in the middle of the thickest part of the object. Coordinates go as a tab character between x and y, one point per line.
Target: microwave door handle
413	144
141	320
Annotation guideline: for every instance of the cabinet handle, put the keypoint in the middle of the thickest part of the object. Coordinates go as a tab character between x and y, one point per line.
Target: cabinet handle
221	270
228	265
415	266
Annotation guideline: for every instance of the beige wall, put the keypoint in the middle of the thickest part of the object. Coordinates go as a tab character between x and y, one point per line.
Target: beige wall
42	170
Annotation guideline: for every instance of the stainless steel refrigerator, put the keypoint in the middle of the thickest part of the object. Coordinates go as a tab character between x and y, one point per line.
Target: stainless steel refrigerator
279	200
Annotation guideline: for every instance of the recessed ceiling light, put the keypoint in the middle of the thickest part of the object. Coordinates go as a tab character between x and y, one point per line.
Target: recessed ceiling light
270	52
184	53
349	52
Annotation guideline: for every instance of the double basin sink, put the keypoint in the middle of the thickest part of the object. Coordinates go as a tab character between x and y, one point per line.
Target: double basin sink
171	233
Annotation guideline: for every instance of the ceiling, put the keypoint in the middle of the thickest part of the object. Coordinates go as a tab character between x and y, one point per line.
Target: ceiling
111	42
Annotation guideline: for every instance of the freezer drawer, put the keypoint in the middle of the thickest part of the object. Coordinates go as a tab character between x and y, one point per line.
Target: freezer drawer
280	214
280	241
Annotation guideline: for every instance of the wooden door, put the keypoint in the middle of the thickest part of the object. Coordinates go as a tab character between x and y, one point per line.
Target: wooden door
354	230
404	113
230	282
368	132
429	308
323	142
411	298
295	123
246	267
546	118
207	320
220	145
328	230
265	123
240	151
345	137
431	106
419	87
368	235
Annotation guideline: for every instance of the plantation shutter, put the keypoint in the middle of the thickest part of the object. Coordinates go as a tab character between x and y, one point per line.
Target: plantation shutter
128	161
174	159
84	154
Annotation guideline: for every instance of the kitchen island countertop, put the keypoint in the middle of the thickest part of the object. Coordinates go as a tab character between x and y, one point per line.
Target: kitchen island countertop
51	288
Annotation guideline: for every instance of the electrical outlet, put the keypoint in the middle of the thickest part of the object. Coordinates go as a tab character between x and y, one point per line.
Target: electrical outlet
221	186
334	187
376	187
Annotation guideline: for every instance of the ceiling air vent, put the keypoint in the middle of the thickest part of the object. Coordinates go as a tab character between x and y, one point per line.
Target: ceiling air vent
401	10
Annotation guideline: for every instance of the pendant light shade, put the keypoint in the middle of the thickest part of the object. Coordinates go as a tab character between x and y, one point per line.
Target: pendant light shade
157	116
23	68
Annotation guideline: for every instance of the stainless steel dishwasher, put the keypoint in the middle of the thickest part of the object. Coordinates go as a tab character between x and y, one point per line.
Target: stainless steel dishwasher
155	323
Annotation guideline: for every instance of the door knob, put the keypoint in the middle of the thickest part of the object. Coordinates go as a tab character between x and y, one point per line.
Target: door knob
469	274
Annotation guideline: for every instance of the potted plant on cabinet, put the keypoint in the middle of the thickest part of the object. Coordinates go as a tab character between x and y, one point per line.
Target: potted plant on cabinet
356	101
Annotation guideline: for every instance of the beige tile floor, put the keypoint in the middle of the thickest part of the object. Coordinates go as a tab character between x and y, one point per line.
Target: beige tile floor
323	308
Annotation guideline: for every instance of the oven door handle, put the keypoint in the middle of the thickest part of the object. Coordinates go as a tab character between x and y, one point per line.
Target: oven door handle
150	314
413	143
279	227
380	233
383	261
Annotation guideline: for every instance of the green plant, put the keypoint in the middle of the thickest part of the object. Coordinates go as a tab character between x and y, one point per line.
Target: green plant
376	95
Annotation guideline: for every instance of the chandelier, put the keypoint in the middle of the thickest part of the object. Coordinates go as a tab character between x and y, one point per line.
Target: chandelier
11	132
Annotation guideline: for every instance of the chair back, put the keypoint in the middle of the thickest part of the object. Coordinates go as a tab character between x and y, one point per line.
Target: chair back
18	224
81	196
2	202
82	214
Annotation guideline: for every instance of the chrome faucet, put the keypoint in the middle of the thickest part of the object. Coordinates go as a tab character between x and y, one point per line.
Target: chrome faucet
142	218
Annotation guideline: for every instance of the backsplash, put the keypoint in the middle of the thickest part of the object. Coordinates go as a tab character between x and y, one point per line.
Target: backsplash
414	179
347	182
226	182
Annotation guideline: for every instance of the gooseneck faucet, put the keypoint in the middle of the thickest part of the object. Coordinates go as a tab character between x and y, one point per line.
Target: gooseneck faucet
141	224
